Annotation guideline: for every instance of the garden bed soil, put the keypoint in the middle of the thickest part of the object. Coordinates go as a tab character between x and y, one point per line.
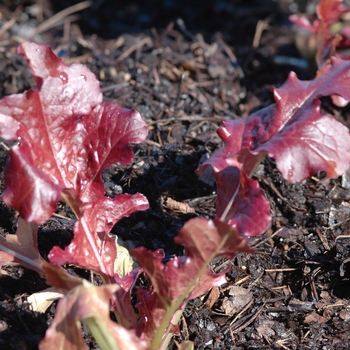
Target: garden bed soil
186	68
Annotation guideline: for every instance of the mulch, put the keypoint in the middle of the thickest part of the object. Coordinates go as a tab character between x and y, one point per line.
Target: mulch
186	68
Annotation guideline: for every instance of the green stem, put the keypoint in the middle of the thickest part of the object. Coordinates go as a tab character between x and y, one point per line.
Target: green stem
175	320
162	330
101	333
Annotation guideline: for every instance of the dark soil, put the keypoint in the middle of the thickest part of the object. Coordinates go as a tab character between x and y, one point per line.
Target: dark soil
185	67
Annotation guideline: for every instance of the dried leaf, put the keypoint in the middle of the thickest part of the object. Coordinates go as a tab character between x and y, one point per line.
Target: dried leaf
265	328
213	297
41	301
124	262
22	247
239	298
314	317
180	207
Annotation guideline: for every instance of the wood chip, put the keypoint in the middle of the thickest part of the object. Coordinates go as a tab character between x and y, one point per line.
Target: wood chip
213	297
314	317
180	207
239	298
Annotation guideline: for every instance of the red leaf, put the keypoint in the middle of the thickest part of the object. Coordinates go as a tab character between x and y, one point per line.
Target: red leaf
304	23
186	277
205	239
327	40
331	10
304	141
98	251
242	202
294	131
123	306
82	303
67	136
59	278
152	311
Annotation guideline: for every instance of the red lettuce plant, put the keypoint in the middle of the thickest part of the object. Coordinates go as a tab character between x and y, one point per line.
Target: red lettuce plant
293	131
67	137
330	35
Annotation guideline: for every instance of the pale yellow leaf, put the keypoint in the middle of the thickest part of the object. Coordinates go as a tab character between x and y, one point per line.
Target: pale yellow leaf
42	300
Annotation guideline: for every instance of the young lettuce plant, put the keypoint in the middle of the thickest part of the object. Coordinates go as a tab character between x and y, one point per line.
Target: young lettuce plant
68	137
302	140
328	34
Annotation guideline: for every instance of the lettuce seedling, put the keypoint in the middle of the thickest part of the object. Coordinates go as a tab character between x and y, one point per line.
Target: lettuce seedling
294	131
330	35
67	137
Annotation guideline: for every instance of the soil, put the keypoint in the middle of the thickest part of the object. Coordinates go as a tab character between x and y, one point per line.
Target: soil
185	67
